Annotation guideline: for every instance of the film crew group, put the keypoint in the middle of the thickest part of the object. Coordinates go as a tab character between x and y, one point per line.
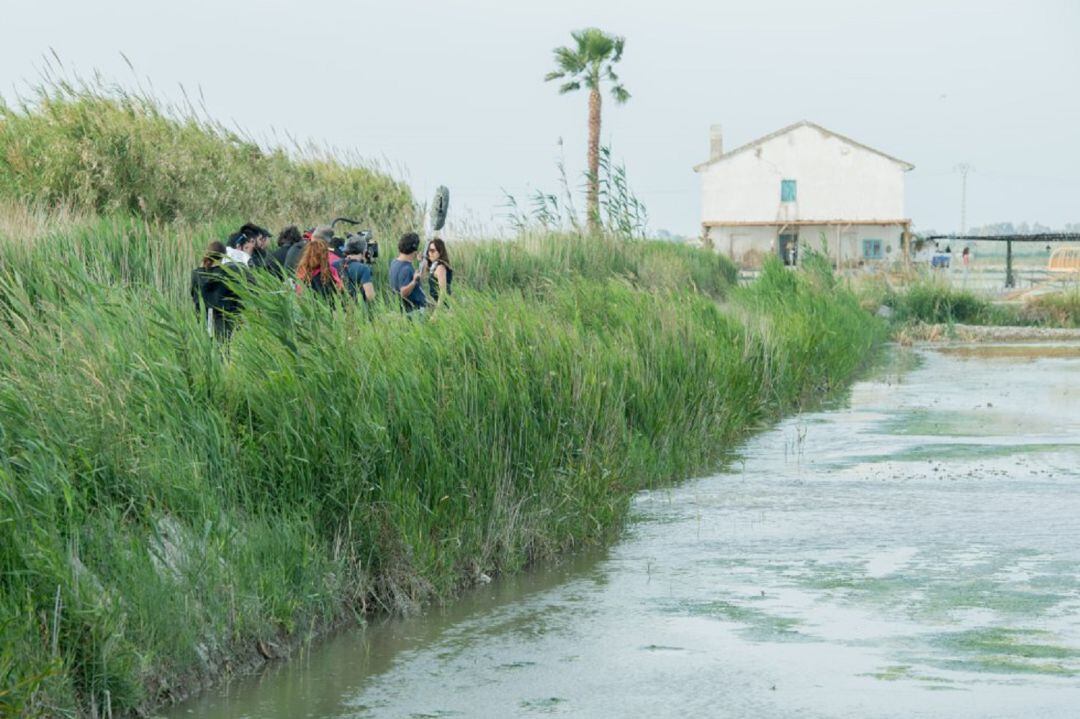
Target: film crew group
319	262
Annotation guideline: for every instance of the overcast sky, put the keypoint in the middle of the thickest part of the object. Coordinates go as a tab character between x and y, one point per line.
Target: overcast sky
453	93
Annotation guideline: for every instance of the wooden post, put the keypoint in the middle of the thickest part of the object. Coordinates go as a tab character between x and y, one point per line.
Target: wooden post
1009	281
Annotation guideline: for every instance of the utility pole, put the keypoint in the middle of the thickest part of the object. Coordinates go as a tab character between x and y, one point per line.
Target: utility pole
963	168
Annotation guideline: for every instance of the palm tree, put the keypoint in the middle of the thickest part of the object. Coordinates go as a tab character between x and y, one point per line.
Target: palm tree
589	63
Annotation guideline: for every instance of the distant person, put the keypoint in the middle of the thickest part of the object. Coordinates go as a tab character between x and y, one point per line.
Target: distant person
285	240
260	256
965	256
355	269
216	303
239	249
404	279
316	272
334	245
292	258
439	272
941	258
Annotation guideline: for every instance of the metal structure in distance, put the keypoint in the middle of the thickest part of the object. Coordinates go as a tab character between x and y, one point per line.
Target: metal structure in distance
1010	279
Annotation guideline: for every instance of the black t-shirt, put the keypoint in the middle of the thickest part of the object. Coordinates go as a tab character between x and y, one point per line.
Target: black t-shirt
433	281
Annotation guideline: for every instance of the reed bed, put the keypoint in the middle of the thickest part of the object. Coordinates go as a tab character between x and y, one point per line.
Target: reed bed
129	251
168	504
935	301
1057	309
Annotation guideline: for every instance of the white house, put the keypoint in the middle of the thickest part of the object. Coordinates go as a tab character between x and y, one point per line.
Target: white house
803	186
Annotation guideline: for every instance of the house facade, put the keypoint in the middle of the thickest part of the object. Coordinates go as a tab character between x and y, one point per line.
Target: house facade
803	187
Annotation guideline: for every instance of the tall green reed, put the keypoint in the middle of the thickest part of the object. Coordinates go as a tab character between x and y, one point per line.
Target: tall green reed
178	499
624	215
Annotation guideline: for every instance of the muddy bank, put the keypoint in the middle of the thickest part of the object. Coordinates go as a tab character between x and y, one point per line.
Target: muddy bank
984	333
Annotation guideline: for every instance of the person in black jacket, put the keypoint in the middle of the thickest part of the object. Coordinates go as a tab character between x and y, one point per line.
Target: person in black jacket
292	258
216	303
285	240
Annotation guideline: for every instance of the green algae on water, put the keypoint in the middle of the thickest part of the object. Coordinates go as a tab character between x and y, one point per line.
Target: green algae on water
1006	651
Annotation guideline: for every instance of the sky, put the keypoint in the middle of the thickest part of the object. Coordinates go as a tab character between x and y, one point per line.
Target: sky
452	92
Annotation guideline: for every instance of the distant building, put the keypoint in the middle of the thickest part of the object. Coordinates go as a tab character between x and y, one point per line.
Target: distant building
803	186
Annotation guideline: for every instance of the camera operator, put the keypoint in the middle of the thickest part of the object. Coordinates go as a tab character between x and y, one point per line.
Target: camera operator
355	267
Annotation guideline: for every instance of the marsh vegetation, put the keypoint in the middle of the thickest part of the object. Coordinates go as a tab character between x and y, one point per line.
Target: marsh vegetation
172	508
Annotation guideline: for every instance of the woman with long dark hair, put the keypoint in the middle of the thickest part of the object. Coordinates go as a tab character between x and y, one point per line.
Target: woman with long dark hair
440	273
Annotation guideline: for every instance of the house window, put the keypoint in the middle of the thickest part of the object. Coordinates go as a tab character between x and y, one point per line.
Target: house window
871	249
787	190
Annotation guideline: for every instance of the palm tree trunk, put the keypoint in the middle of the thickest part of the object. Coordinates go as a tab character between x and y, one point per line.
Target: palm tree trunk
592	199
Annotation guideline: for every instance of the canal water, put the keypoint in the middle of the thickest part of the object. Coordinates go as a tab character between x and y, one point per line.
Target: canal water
913	551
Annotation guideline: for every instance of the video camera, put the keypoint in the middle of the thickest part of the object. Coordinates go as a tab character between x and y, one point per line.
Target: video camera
361	243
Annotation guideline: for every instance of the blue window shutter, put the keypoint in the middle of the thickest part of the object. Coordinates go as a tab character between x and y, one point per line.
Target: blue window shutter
787	190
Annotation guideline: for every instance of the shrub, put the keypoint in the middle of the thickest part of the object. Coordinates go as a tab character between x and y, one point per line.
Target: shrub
1059	309
936	302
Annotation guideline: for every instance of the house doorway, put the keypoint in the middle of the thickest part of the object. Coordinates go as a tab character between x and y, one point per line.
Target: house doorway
788	246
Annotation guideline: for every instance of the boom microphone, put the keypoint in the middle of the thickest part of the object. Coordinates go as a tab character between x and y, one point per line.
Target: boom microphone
439	207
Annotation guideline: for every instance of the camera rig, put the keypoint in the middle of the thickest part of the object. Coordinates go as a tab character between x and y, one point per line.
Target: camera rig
361	242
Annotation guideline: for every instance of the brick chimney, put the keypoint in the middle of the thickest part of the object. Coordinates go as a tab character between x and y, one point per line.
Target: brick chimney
716	141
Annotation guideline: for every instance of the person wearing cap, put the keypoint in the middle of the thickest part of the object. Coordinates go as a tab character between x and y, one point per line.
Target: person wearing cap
404	279
355	270
260	257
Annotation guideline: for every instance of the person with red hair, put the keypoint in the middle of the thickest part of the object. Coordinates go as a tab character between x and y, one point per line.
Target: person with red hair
316	271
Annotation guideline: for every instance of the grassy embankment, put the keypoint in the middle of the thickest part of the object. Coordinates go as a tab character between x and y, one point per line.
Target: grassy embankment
168	504
96	150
